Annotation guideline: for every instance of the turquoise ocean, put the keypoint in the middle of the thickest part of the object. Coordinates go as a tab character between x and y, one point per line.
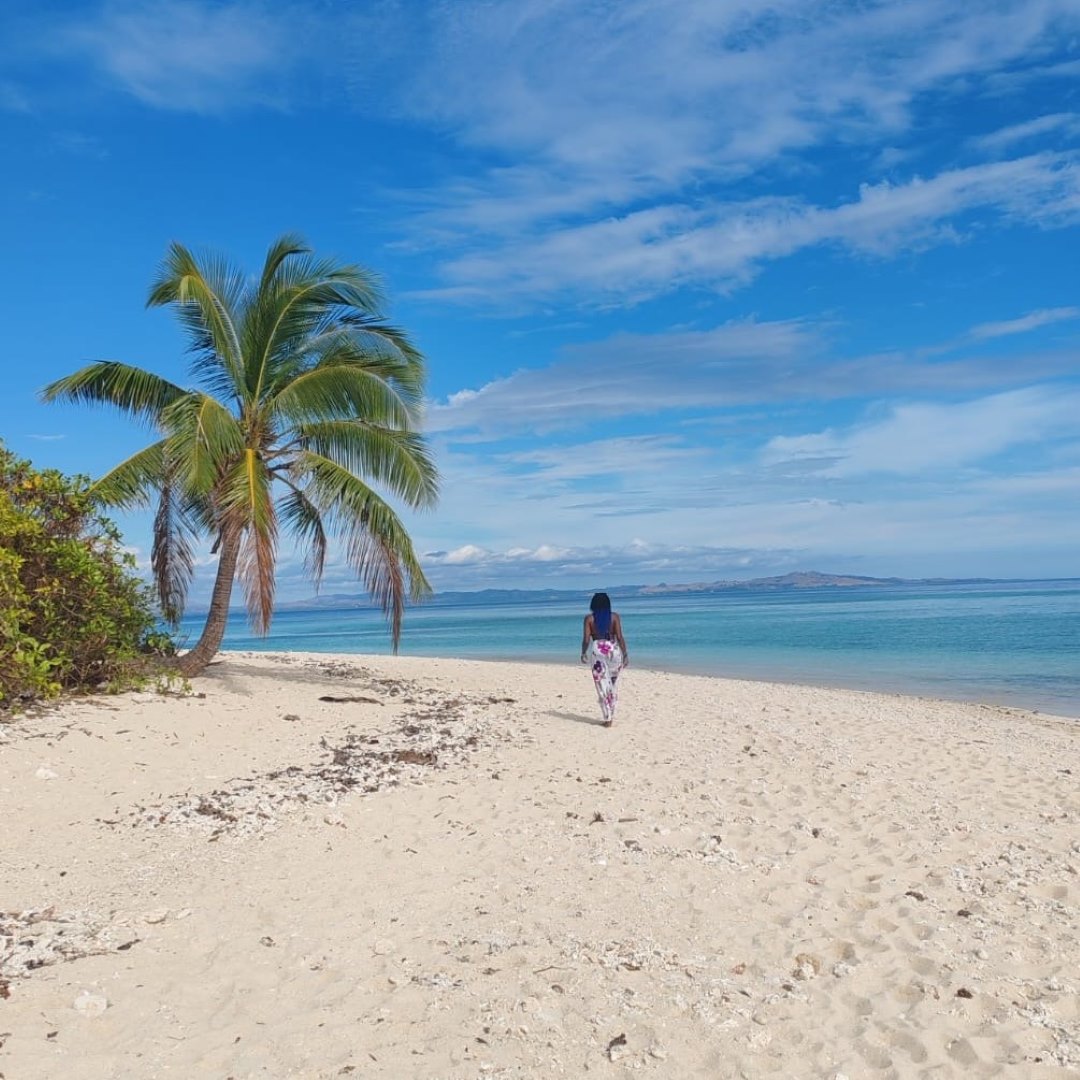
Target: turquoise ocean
1006	643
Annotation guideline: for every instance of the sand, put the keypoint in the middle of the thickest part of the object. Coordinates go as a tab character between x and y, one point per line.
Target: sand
461	874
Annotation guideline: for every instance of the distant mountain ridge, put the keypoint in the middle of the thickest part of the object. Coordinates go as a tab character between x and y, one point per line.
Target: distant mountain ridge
802	579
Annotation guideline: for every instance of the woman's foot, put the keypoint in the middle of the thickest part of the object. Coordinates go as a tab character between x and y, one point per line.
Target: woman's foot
608	723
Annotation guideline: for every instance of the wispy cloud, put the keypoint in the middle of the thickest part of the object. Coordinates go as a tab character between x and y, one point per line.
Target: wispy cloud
723	245
191	55
737	364
1067	123
632	374
614	133
601	460
1025	323
619	134
919	438
644	90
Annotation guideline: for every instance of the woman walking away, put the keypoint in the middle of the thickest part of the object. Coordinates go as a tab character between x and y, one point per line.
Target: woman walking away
604	647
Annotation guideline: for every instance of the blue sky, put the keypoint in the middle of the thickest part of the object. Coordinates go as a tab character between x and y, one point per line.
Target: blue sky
708	288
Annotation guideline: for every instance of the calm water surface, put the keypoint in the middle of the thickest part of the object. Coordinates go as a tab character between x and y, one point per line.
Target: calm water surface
1011	644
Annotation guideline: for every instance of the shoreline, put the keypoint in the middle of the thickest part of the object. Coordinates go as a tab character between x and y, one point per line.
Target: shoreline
1044	706
986	646
320	864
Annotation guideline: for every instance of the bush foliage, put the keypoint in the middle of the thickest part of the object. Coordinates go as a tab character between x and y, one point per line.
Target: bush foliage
73	615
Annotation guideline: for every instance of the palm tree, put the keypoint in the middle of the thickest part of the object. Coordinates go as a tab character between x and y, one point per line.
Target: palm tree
309	397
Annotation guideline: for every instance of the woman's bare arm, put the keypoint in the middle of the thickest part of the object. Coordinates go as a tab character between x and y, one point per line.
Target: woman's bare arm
585	636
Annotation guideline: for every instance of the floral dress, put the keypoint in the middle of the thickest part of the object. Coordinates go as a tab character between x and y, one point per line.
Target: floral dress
606	659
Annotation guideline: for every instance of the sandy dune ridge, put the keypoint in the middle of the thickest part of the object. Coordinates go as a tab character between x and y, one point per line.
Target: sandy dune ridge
456	872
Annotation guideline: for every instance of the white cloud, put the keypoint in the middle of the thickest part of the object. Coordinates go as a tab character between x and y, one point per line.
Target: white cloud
468	553
475	555
619	130
603	459
626	563
738	363
191	55
616	131
630	374
645	90
1024	324
996	141
722	245
932	438
959	526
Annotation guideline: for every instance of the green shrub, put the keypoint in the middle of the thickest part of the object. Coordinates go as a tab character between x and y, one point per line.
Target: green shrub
73	614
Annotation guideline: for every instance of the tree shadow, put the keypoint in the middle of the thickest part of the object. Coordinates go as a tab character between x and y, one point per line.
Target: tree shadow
592	721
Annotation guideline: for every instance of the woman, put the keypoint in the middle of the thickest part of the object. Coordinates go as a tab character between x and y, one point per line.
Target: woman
603	645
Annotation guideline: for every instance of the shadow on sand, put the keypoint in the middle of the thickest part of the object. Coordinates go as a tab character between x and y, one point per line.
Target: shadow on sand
594	721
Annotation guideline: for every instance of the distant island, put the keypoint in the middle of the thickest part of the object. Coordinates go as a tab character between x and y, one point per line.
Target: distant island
803	579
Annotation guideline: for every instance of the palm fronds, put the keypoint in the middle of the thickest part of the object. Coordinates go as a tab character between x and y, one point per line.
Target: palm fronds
398	460
300	515
377	545
131	483
246	506
172	556
304	299
140	393
208	295
341	390
202	435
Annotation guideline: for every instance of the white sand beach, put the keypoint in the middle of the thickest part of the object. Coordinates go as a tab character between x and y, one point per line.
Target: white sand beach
460	874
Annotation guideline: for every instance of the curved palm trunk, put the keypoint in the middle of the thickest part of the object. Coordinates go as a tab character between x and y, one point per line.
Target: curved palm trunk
194	660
